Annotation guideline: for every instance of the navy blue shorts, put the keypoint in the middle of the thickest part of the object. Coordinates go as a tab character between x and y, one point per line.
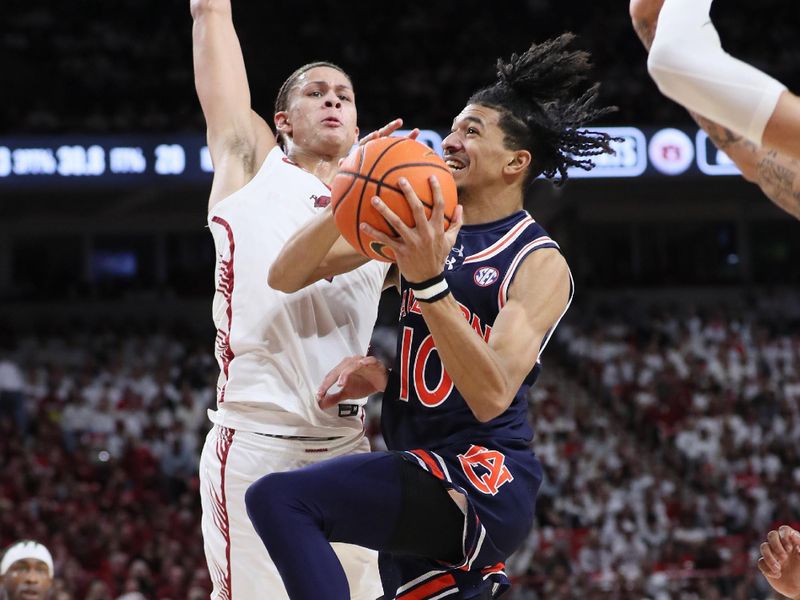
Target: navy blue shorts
500	485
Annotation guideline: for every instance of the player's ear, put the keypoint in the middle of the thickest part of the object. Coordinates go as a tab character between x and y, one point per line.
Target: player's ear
518	161
282	124
355	140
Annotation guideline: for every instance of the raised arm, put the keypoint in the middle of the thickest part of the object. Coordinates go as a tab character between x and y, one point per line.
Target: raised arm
719	86
777	174
238	139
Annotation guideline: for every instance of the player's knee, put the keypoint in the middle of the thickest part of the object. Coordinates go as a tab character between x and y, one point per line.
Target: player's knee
269	497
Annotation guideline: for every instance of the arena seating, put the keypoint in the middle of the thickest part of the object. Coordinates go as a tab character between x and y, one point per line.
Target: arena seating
668	443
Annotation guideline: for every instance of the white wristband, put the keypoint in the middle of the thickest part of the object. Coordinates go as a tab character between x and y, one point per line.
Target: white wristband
431	290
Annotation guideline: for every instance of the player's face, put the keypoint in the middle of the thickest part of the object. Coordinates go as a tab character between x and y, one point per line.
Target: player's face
321	118
475	150
27	579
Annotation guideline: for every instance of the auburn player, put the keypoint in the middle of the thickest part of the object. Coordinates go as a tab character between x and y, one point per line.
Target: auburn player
273	348
455	495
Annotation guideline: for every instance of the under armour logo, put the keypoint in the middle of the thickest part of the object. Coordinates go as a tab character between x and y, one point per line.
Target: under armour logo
453	259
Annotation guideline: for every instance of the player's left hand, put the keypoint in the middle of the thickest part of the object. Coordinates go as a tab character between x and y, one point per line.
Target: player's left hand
780	561
385	131
420	251
353	378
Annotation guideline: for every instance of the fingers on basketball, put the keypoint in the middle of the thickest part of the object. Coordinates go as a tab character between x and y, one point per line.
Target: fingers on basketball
374	170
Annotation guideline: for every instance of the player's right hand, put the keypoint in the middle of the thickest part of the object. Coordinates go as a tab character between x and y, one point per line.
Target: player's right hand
780	561
355	377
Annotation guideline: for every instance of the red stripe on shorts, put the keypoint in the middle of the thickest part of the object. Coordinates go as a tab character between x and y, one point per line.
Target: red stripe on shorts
433	466
431	588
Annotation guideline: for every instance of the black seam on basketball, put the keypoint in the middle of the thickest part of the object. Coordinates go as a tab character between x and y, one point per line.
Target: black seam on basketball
353	182
364	188
420	164
380	183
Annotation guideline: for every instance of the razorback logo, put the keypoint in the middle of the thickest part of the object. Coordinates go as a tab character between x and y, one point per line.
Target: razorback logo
491	466
320	201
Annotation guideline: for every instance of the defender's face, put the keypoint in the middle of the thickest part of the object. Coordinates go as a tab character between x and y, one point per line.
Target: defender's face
475	150
27	579
322	116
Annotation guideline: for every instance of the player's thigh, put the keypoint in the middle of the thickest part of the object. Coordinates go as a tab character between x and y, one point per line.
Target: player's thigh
238	563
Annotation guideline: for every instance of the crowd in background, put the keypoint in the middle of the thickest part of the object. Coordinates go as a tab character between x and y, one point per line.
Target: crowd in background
670	444
126	66
100	435
671	453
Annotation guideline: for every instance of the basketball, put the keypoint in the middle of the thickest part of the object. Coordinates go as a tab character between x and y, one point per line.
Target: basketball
374	170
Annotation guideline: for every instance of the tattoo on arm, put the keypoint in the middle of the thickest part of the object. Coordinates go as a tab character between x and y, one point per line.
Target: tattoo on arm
721	136
779	177
776	175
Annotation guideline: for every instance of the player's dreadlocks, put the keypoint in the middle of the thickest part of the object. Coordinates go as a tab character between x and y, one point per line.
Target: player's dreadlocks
538	95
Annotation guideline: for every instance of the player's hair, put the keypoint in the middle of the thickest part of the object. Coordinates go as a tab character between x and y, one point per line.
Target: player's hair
538	94
282	99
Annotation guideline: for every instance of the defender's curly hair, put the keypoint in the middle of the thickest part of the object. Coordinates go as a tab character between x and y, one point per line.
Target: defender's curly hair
542	108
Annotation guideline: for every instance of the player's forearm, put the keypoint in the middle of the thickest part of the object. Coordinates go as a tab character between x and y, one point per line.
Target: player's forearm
776	175
468	359
317	251
720	86
301	257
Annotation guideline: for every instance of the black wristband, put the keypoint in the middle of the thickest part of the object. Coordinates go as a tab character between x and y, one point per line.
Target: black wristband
430	290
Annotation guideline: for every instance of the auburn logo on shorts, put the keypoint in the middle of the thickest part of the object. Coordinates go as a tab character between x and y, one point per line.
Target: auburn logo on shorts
485	469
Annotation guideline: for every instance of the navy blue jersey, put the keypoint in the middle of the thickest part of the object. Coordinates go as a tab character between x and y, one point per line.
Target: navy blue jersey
421	407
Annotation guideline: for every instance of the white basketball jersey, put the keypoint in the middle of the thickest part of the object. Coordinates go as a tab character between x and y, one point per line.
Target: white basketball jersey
274	349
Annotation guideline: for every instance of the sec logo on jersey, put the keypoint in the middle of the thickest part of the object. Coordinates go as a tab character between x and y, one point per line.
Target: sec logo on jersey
485	276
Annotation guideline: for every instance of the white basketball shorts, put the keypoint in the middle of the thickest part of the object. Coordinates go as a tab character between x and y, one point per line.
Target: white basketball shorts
238	562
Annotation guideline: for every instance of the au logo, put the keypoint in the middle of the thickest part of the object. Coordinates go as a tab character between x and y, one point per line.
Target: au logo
486	276
485	469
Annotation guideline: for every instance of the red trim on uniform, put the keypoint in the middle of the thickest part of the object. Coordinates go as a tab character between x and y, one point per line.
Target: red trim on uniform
430	461
502	293
494	569
430	588
500	244
221	519
226	284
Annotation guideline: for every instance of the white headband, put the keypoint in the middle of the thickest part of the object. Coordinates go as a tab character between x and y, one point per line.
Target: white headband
26	549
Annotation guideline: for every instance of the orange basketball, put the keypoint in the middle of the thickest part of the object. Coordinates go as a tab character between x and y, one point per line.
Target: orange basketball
373	170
